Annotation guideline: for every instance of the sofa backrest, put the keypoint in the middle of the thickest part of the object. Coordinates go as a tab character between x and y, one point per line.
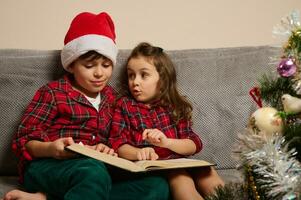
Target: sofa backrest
216	81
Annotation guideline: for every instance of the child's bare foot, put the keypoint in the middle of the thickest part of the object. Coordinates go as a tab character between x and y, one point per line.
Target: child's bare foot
20	195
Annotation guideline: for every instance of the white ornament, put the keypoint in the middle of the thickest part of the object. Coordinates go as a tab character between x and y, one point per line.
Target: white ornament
291	104
266	121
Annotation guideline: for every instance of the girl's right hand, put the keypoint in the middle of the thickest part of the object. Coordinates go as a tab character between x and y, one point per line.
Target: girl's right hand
57	148
156	138
147	153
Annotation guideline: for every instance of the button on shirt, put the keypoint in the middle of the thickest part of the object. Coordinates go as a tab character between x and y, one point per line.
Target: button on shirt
131	118
56	111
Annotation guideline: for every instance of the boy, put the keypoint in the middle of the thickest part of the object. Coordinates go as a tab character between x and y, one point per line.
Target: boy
76	108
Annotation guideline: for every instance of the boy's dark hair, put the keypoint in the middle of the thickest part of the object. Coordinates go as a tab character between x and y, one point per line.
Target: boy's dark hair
169	94
92	55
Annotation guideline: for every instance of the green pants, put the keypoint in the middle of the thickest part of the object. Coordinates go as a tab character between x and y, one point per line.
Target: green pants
89	179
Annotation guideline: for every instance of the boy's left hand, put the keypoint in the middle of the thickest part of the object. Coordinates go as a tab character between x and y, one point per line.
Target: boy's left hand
155	137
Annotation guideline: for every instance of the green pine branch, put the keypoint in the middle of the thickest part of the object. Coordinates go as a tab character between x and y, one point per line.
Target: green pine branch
292	133
293	47
272	89
231	191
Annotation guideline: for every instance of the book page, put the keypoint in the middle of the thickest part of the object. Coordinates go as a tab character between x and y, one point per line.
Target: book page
112	160
172	163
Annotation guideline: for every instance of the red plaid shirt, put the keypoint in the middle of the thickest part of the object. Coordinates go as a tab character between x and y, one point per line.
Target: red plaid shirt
56	111
131	118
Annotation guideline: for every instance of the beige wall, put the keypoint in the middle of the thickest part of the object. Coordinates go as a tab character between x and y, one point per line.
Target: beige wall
172	24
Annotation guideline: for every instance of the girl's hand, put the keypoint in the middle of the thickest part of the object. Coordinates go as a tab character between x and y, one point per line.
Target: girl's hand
57	148
147	153
155	137
104	149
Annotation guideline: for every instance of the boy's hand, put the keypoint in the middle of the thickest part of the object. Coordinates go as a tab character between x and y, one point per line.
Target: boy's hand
57	148
155	137
147	153
104	149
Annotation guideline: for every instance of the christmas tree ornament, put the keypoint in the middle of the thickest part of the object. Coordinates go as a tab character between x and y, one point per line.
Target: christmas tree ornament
278	171
291	104
293	47
266	121
297	86
287	67
255	94
287	24
271	169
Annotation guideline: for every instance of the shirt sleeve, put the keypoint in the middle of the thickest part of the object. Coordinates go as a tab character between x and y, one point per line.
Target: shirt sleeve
119	128
185	131
38	116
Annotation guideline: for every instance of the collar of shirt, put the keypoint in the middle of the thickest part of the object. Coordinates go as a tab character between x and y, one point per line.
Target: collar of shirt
152	105
64	85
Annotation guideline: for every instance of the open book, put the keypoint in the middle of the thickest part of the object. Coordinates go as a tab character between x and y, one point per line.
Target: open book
138	166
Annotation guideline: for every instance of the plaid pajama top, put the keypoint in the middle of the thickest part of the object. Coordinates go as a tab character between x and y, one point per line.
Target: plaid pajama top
131	118
56	111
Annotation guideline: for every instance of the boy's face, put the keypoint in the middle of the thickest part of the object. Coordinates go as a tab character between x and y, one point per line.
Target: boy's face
143	80
91	76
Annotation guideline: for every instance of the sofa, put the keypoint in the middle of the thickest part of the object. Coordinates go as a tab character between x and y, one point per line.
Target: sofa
216	81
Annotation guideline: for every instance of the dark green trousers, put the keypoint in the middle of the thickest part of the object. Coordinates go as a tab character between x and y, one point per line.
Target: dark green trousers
89	179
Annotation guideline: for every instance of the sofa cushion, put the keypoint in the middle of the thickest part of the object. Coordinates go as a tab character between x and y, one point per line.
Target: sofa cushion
22	72
8	183
216	81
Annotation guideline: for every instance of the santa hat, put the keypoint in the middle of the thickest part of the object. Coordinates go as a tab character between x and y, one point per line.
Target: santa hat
89	32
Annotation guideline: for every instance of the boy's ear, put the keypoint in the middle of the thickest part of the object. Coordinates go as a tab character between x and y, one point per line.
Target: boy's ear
70	68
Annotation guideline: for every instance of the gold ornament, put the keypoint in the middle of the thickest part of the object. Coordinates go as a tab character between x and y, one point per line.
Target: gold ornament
266	121
297	33
251	183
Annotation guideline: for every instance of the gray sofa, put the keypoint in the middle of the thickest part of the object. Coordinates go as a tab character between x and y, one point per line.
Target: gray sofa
216	81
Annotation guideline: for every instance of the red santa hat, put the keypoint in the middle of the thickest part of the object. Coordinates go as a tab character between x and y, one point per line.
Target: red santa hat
89	32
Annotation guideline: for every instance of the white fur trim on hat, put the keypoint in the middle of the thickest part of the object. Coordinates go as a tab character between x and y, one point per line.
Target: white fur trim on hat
81	45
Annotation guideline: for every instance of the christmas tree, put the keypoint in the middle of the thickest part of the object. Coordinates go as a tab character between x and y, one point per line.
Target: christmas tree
269	150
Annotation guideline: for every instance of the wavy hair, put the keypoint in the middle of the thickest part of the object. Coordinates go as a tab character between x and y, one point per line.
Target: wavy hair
169	95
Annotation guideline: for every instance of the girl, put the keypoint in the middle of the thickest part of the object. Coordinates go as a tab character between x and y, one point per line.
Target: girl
153	121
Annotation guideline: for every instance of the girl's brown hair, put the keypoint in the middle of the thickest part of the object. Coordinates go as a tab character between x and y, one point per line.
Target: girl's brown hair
169	95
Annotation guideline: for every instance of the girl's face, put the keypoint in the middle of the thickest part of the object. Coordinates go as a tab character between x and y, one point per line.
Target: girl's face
143	80
91	76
